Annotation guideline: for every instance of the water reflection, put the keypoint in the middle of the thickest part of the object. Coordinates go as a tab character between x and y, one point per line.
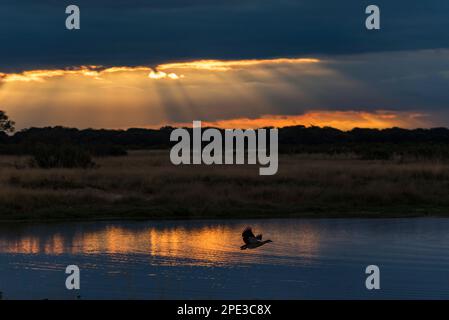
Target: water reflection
182	242
323	258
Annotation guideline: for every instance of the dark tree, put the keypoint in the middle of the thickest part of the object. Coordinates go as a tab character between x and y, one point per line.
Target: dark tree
6	125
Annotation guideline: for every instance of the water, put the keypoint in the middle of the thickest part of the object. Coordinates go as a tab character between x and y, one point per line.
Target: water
309	259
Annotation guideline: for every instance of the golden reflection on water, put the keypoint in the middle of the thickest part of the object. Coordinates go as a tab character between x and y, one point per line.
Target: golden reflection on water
181	244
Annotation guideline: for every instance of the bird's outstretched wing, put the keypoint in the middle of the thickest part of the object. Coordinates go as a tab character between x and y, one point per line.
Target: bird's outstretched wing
247	235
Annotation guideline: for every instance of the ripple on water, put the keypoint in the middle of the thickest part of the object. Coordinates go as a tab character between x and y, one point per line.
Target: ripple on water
323	258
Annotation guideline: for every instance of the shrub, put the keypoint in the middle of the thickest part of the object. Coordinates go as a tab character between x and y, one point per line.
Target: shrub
66	156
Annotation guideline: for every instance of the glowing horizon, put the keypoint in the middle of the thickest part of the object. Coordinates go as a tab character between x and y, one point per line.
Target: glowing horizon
343	120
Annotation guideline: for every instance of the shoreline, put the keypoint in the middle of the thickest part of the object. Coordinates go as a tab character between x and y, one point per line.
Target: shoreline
94	215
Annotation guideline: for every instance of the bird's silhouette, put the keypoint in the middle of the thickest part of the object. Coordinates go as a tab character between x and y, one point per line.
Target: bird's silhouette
252	241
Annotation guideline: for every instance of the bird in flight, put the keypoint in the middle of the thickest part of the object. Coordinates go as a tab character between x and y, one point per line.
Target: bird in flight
252	241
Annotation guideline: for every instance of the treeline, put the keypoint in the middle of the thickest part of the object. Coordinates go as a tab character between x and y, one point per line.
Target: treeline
97	142
366	143
376	144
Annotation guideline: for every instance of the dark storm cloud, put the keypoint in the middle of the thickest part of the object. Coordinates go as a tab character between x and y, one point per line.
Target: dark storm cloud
135	32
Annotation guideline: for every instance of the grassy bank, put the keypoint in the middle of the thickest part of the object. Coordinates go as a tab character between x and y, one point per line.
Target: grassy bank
145	184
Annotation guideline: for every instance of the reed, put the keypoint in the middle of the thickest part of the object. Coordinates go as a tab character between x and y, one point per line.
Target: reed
145	184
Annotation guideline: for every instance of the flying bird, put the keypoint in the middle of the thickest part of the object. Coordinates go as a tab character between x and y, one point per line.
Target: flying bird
252	241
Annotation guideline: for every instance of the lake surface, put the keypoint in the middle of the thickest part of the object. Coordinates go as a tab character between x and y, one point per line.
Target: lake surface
309	259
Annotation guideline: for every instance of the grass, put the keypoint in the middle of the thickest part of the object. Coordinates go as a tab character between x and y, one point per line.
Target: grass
146	185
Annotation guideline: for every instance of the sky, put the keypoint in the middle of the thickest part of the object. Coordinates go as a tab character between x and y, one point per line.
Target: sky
228	63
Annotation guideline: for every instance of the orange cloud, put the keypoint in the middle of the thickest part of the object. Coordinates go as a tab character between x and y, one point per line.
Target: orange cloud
146	96
157	73
344	120
163	75
42	75
95	72
223	65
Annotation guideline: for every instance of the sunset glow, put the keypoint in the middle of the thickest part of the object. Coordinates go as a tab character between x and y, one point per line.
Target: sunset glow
344	120
217	65
222	93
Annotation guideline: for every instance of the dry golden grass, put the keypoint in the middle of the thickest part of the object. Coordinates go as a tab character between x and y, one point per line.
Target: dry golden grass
146	184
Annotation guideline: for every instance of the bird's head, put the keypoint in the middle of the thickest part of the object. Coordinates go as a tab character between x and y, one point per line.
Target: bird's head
268	241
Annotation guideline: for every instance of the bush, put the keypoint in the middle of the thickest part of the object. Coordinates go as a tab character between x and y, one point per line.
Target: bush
67	156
